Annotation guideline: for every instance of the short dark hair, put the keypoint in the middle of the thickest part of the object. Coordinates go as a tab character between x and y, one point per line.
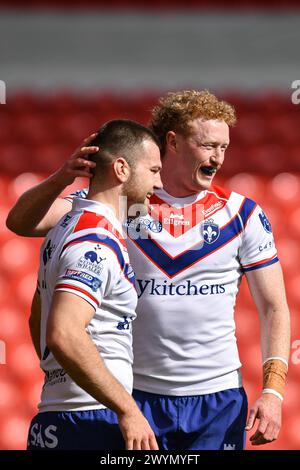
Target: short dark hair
119	137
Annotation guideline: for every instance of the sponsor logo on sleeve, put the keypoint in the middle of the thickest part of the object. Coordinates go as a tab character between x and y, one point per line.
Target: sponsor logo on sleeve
266	246
265	222
92	282
91	261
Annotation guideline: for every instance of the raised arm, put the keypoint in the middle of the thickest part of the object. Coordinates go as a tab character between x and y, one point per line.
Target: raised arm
268	291
75	351
40	208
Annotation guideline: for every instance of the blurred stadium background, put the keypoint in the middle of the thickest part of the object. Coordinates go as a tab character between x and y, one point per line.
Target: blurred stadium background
70	66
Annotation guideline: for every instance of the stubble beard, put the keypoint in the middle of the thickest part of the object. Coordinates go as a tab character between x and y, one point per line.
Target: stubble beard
135	198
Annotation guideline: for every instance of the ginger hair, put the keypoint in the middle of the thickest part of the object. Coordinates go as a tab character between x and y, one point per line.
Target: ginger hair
175	111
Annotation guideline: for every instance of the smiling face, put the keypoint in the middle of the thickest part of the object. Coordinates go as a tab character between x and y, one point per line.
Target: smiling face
200	153
145	175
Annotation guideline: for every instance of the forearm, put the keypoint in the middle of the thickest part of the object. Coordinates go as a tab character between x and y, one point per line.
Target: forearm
268	291
81	360
275	333
32	207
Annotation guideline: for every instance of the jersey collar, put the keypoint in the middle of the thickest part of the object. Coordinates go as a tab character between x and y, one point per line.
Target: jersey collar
80	204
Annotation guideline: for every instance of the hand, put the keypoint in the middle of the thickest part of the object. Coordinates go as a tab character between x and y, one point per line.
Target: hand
77	164
137	432
268	410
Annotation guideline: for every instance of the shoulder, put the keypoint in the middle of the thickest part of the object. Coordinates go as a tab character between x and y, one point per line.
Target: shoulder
220	192
236	202
95	240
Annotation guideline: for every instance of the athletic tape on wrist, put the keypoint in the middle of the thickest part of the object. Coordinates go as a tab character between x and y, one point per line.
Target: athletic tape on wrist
274	376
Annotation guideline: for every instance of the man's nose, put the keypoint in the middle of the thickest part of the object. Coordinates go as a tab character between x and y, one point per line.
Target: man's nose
218	156
158	182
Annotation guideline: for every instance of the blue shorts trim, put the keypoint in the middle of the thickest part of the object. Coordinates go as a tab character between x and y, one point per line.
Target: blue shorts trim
75	430
215	421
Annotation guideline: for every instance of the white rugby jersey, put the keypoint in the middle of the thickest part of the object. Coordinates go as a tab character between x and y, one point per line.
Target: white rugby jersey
189	255
86	255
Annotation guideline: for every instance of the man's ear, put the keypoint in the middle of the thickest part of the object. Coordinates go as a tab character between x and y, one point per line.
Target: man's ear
121	169
171	142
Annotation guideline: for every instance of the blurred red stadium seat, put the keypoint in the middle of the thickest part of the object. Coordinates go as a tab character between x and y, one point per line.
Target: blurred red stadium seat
265	140
10	397
289	254
14	322
38	133
13	431
22	183
294	222
266	158
283	190
23	361
250	129
32	390
25	288
248	184
15	159
17	256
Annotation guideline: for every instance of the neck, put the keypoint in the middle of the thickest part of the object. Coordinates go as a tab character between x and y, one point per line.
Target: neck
172	180
110	197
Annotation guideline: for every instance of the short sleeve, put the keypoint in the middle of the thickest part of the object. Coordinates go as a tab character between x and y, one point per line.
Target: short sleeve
87	270
258	247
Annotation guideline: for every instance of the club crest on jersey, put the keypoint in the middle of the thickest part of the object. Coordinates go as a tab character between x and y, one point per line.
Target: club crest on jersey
91	261
265	222
210	231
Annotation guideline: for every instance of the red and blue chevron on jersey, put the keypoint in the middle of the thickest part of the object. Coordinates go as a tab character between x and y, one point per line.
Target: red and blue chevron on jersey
189	255
187	281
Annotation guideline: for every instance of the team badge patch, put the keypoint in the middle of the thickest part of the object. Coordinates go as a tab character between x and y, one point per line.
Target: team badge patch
92	262
265	222
210	231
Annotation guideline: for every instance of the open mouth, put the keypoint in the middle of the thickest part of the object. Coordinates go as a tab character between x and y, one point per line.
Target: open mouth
208	170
